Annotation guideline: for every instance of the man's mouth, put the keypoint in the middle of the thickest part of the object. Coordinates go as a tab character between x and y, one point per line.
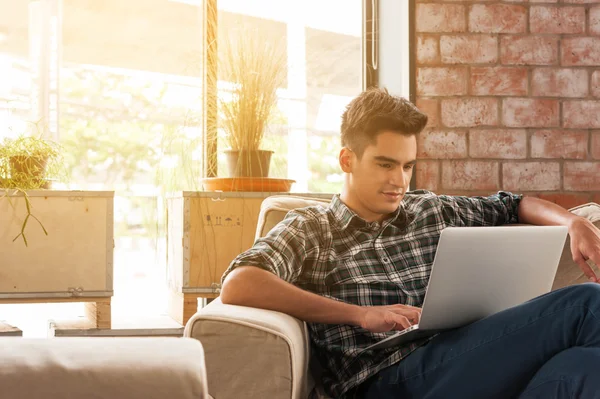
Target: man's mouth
392	195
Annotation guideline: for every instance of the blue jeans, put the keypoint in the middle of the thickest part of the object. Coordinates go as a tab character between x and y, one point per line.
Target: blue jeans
546	348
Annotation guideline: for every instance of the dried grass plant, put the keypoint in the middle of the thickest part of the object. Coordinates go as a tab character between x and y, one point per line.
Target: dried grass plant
256	67
28	163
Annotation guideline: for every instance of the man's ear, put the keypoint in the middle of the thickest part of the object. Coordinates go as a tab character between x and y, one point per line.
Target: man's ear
346	158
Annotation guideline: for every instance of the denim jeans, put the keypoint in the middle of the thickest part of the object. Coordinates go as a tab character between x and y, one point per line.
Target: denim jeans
547	348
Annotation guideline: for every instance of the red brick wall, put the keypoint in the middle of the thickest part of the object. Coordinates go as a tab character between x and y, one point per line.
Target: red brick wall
512	90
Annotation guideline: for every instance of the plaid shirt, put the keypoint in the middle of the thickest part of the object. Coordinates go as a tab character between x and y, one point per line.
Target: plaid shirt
333	252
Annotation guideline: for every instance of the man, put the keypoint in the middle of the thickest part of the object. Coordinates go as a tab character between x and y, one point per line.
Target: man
360	267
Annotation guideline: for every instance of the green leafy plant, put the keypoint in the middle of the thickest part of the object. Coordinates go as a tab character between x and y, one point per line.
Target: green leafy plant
28	163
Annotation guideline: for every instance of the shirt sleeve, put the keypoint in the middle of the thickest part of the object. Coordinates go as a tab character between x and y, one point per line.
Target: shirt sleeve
283	250
498	209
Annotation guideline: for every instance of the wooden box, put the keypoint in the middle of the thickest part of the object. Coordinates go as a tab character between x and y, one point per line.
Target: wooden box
74	262
206	231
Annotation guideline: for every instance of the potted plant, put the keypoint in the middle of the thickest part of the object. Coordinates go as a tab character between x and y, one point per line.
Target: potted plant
28	163
256	68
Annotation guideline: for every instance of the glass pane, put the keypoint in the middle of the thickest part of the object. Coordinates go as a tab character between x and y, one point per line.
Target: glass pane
26	51
130	93
322	74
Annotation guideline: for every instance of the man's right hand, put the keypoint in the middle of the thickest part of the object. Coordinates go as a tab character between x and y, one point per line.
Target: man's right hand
389	318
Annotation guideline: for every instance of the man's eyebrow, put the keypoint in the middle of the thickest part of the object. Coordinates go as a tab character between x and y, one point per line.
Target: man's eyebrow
392	160
386	159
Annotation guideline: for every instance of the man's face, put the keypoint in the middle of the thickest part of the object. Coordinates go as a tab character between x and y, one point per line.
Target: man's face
378	181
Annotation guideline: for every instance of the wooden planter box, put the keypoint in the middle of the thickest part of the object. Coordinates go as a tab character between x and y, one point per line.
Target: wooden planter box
73	263
206	231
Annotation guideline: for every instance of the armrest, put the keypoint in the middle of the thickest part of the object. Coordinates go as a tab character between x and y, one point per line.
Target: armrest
259	352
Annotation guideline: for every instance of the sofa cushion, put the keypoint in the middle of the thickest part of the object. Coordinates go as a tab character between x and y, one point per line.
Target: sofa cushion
111	368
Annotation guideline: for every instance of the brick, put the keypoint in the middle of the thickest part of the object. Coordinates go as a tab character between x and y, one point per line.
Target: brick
595	20
529	50
580	51
558	20
534	176
596	198
567	201
428	50
497	18
477	49
440	18
441	81
499	81
595	150
427	175
559	82
580	1
582	176
565	144
498	143
529	112
543	1
430	107
595	85
581	114
442	144
470	112
470	175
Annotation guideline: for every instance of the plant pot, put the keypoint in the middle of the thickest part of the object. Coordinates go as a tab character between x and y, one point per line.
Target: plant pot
253	163
23	167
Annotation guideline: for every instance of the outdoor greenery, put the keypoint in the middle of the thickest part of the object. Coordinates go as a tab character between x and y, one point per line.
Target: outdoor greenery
137	137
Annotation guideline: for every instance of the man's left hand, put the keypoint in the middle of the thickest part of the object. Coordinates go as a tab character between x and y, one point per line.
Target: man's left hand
585	245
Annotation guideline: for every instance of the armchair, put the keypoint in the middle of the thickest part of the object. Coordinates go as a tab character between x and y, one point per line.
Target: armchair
266	354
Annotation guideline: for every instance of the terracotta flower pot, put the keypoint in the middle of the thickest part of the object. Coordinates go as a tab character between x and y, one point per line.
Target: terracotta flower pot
248	163
23	167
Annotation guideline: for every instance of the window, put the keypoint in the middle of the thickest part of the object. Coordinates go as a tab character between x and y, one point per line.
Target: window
119	85
324	74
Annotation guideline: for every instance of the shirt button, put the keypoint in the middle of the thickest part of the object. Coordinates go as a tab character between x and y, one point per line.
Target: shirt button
385	260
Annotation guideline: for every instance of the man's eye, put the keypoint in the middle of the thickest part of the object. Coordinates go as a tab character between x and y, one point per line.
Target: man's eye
385	165
408	167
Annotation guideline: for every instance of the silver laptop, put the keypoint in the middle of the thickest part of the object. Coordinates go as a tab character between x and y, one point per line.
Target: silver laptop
479	271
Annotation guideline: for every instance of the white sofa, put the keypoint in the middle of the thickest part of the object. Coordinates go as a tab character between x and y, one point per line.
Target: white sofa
255	353
102	368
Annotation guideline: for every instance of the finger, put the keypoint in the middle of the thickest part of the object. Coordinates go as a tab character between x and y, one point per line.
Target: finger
401	322
595	260
587	270
595	257
412	314
401	306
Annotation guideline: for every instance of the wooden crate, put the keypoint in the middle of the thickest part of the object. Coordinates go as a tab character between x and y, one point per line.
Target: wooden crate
73	263
6	330
206	231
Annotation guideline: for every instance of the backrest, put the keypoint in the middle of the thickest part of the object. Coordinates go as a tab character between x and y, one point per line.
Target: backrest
274	208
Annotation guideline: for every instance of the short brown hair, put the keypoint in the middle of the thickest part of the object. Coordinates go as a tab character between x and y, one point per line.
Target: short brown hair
376	110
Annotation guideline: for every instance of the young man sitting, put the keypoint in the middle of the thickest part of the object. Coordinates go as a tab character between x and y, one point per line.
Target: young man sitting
361	266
